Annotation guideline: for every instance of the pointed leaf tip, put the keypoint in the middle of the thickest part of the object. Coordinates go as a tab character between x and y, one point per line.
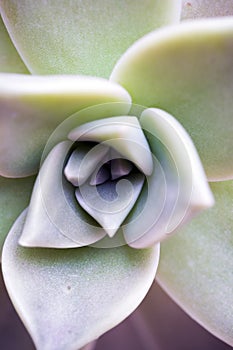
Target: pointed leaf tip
110	202
67	298
176	191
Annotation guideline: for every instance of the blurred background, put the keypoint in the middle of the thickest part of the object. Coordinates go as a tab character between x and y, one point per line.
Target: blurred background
158	324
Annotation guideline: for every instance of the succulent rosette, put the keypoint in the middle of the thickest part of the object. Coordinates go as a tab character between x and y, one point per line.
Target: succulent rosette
127	121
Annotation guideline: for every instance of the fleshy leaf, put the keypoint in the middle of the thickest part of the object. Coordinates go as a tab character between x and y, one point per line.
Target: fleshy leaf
196	265
10	60
68	298
82	162
54	218
120	167
124	134
14	197
81	37
187	70
32	107
110	202
206	8
100	176
176	191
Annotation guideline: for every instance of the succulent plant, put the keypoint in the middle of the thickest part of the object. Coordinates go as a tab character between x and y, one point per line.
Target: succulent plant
123	109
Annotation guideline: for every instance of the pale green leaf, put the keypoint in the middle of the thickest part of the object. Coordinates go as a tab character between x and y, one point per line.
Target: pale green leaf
10	60
81	37
54	217
206	8
68	298
196	265
83	161
176	191
187	70
31	107
14	197
124	134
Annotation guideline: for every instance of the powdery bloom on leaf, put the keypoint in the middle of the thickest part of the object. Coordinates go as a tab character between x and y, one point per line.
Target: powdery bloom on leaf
117	161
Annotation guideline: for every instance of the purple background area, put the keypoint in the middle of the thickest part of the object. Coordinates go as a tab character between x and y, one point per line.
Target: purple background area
158	324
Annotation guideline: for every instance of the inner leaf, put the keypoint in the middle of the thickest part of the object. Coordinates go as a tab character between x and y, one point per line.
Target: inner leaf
107	185
110	202
76	174
124	134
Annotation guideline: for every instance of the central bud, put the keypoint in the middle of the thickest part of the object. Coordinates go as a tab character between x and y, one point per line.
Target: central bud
105	180
108	176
